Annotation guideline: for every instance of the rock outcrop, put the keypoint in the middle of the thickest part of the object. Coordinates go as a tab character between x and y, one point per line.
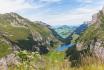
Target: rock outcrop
10	59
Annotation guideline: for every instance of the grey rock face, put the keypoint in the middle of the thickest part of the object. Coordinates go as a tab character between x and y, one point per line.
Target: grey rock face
95	47
8	60
98	49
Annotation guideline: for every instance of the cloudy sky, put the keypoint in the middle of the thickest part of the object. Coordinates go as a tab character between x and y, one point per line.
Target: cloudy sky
53	12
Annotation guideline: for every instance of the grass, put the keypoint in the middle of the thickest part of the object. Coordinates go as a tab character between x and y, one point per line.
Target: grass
52	62
43	30
55	55
15	33
5	49
91	63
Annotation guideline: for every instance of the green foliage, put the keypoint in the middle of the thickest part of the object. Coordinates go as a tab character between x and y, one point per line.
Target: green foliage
74	38
5	49
23	55
15	33
88	35
55	55
54	61
43	30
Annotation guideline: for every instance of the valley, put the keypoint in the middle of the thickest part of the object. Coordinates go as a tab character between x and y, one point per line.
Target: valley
28	45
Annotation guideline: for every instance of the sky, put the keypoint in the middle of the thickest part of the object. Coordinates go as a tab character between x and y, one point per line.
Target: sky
54	12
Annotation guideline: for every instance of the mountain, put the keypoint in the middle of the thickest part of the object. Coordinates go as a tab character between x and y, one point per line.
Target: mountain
93	37
18	33
91	41
81	28
54	32
64	30
73	36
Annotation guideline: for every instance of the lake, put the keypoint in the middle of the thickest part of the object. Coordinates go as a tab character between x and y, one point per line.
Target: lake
64	47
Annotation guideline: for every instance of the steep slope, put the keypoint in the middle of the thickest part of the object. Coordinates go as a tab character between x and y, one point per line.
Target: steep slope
57	36
92	39
90	43
18	33
81	28
73	36
95	31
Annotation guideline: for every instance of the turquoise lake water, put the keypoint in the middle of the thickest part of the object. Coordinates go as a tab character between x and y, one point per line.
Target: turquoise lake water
64	47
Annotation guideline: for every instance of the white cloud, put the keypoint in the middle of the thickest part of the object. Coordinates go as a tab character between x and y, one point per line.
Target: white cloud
50	0
86	1
13	5
76	16
71	17
17	5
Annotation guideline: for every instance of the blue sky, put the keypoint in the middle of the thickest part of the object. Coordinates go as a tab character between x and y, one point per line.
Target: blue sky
54	12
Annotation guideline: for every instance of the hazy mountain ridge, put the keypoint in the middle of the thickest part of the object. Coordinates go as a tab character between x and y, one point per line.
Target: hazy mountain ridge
65	30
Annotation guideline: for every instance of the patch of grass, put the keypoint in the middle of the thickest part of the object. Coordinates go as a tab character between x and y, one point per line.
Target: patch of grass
4	49
15	33
55	55
43	30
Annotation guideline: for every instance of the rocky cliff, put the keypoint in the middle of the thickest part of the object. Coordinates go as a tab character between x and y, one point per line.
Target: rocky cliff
93	37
